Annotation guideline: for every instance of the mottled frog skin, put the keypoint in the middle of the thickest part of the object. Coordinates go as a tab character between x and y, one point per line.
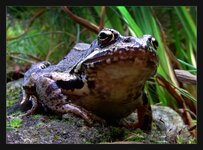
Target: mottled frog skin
101	81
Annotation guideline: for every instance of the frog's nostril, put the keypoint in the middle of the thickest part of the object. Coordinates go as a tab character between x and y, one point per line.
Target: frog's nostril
128	39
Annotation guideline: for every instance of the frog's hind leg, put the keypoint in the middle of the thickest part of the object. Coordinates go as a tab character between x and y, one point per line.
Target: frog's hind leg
26	99
144	113
51	96
29	100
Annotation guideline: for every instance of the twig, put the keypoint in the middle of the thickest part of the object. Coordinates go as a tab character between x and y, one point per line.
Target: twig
52	50
36	15
192	128
170	54
185	76
164	37
187	118
92	27
101	24
193	114
26	60
18	53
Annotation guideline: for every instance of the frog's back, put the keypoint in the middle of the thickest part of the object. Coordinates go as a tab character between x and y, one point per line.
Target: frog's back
76	54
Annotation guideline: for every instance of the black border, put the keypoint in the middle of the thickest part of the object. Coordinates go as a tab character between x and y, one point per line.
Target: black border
3	74
91	3
103	2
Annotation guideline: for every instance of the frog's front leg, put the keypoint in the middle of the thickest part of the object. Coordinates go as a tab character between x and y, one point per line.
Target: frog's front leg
28	88
26	100
144	113
51	95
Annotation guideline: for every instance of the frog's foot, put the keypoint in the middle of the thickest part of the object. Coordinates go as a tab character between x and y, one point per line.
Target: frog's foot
70	108
81	112
25	98
34	107
97	118
144	113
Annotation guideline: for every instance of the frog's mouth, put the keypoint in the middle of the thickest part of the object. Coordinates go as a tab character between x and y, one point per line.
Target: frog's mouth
136	55
145	57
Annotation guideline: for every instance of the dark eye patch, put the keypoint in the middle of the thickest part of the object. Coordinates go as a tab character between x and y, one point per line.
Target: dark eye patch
155	44
71	84
103	36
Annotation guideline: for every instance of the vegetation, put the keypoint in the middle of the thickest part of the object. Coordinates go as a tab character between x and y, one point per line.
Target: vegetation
13	123
48	33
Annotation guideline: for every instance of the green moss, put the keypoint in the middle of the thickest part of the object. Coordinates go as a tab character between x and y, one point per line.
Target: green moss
140	136
192	141
88	142
37	116
56	137
9	103
12	95
39	125
14	123
117	133
181	140
137	135
8	129
17	113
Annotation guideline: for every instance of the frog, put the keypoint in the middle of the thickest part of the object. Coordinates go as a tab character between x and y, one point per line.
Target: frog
100	81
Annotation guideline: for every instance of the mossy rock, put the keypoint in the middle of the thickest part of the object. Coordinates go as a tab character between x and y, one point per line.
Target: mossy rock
50	129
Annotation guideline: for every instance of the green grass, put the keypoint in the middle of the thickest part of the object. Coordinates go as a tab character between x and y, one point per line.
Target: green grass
185	39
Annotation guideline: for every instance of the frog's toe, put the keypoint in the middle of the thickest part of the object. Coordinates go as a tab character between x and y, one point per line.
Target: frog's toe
88	117
144	119
145	127
34	107
24	101
98	119
78	111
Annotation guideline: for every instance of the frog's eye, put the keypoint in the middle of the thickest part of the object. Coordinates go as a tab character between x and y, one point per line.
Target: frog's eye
105	37
154	42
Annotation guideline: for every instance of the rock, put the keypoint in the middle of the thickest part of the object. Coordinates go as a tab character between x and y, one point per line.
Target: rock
50	129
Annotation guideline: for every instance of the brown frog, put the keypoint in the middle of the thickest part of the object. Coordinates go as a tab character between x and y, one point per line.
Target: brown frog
101	81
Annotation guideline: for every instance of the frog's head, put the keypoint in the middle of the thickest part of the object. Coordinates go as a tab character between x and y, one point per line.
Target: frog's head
119	56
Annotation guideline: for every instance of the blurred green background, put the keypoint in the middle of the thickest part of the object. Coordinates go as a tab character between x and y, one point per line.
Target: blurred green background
48	33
